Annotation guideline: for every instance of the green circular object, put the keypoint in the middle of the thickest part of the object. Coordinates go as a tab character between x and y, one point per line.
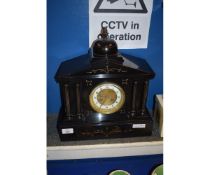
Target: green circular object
119	172
158	170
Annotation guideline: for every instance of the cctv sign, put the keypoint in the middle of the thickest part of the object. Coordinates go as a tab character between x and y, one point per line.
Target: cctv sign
127	21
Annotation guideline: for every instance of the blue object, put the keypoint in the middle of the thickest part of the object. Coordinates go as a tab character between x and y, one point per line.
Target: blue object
138	165
68	37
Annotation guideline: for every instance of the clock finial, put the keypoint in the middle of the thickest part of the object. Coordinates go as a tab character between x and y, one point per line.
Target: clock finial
104	33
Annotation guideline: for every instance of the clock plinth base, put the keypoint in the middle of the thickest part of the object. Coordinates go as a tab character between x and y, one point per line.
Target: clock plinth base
86	130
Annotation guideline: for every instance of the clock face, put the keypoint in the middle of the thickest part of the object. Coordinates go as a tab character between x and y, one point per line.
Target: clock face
107	98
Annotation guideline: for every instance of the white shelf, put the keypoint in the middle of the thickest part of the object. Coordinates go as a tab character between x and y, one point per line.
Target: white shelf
104	150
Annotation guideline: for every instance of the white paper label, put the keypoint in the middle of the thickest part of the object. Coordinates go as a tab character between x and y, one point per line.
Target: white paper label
127	21
68	131
139	125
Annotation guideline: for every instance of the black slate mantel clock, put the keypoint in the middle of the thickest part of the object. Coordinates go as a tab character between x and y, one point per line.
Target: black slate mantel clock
103	94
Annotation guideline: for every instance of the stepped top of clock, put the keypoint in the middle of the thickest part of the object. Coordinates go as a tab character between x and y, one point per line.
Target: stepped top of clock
104	60
81	67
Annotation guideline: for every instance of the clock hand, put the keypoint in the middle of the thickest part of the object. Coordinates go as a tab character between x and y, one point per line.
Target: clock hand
102	103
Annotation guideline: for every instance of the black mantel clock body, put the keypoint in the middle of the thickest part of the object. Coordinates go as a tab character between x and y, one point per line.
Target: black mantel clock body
103	94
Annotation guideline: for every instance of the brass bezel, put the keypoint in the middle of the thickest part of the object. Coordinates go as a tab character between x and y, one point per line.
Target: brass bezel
107	111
